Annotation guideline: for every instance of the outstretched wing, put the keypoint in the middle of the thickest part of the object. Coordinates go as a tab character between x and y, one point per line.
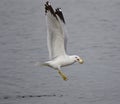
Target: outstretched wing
56	37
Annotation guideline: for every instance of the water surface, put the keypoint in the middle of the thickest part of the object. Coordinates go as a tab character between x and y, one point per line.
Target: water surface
94	34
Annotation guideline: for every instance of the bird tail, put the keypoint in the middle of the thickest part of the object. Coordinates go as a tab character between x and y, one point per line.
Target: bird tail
41	64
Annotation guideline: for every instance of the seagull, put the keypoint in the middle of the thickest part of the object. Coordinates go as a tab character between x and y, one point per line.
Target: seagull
57	41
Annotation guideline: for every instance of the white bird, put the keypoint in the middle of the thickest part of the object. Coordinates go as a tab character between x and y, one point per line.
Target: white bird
57	40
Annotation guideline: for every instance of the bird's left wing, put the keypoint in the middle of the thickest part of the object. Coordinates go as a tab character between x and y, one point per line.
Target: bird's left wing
56	38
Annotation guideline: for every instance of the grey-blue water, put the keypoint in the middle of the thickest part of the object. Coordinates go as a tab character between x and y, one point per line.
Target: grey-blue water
94	34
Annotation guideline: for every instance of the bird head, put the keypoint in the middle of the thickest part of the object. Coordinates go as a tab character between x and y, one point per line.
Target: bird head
78	59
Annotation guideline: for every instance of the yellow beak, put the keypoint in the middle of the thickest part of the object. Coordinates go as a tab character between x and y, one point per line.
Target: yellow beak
81	61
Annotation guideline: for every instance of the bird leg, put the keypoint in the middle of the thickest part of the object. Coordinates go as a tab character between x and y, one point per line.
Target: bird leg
62	75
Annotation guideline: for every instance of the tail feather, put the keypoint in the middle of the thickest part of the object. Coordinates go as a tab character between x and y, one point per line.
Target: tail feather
41	64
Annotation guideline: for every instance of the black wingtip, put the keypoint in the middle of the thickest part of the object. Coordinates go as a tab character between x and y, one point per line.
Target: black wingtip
60	14
48	7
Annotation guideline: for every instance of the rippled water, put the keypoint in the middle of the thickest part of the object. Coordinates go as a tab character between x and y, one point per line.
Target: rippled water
94	34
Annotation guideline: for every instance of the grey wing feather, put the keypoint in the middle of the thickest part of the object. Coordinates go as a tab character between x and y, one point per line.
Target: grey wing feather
61	17
57	39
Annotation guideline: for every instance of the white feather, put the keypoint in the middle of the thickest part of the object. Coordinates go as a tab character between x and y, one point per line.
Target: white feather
56	37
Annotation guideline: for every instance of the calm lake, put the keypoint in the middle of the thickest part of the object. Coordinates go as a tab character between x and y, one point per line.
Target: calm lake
93	33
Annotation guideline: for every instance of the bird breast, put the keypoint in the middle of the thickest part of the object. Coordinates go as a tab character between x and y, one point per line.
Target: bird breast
61	61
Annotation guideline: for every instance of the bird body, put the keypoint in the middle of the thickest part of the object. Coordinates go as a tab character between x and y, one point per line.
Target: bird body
57	41
61	61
